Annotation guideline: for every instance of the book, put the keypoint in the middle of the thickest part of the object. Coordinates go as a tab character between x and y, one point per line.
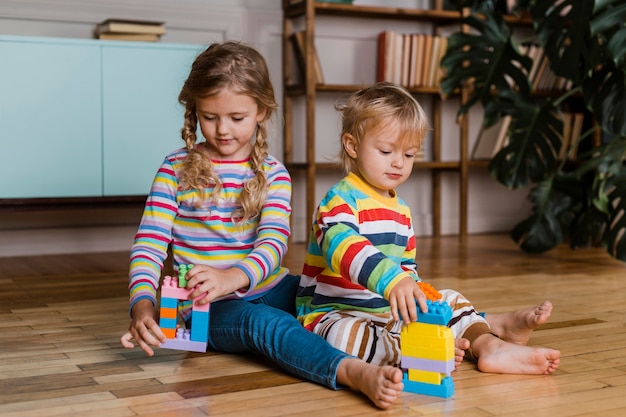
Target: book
566	137
130	26
536	53
428	46
503	135
383	63
298	41
138	37
577	130
487	140
414	56
434	62
419	62
443	47
406	59
397	59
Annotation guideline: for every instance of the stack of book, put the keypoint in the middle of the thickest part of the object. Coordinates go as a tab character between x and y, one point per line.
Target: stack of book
411	60
540	75
130	30
491	140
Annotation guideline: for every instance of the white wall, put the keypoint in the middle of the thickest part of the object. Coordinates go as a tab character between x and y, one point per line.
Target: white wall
345	47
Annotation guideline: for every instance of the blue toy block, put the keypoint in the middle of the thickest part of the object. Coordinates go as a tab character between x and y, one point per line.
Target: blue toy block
200	326
439	312
167	323
167	302
445	390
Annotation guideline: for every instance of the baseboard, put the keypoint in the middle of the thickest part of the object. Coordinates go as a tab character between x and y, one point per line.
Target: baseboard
57	241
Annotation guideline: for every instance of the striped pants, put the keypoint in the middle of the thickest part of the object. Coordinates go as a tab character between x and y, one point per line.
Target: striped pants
375	338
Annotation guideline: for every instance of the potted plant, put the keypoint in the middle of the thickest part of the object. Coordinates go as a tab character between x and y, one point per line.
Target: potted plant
585	41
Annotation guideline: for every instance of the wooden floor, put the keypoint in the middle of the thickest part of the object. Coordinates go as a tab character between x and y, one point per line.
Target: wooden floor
61	316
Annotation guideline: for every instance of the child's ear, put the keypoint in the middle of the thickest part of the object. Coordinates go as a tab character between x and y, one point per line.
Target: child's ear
349	145
261	115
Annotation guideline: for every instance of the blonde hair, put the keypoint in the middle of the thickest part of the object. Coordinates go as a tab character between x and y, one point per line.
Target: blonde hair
243	70
376	107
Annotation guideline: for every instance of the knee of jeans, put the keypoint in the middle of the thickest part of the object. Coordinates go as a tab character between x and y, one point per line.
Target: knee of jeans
266	318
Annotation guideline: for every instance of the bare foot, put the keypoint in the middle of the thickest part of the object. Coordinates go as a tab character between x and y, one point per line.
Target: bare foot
497	356
381	384
460	346
516	326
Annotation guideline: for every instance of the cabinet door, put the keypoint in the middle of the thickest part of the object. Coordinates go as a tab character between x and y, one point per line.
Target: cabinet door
50	132
141	115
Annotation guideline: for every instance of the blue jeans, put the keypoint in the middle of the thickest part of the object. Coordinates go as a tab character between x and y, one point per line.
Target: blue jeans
268	326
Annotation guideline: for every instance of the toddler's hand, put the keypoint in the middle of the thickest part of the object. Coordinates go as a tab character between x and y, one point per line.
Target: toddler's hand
404	297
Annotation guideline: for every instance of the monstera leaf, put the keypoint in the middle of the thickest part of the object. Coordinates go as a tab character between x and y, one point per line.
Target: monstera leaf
534	143
590	53
563	30
608	163
488	62
543	230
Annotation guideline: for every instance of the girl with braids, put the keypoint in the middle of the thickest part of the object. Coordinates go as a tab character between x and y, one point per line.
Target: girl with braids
223	205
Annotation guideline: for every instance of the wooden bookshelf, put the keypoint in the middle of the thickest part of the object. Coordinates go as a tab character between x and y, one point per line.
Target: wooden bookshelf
308	88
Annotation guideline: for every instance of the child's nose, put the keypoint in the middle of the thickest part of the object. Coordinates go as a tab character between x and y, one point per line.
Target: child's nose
222	127
398	161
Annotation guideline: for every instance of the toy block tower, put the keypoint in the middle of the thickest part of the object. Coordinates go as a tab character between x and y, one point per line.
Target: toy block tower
172	292
427	347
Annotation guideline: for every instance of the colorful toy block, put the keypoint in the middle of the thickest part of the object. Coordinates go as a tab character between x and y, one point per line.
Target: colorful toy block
173	291
428	349
182	341
429	291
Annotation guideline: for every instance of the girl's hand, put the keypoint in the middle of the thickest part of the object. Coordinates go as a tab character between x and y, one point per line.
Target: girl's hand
402	299
210	283
144	328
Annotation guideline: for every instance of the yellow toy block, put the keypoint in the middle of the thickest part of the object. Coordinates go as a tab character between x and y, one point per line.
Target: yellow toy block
427	341
426	377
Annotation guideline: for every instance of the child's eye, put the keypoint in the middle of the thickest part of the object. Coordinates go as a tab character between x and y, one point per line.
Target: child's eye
238	119
409	155
210	118
385	152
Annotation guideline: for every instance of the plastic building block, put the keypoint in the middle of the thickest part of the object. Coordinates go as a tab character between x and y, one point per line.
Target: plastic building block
182	273
428	349
444	367
427	341
439	312
444	390
429	291
182	341
172	293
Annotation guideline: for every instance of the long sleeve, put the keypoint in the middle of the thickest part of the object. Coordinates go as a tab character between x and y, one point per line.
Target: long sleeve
361	245
154	235
272	231
204	231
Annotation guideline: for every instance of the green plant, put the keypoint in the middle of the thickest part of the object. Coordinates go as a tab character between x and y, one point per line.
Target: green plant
585	41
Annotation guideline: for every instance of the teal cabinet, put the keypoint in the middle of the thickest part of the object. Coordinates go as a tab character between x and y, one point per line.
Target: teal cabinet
142	117
50	112
87	118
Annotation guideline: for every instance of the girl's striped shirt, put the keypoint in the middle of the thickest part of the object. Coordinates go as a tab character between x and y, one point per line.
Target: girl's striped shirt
361	244
208	234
